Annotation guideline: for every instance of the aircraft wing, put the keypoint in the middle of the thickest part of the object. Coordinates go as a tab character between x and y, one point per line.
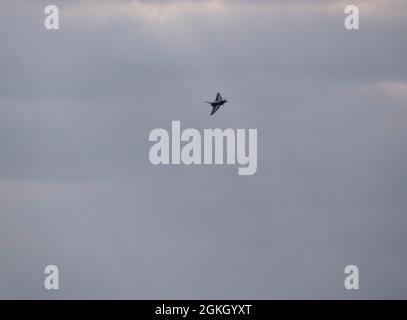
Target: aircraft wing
214	109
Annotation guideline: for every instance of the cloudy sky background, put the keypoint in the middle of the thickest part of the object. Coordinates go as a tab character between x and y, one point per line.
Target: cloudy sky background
77	189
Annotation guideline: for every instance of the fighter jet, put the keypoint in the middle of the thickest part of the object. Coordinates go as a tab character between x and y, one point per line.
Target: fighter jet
219	101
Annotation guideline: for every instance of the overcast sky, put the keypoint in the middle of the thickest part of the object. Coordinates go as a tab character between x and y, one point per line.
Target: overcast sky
77	188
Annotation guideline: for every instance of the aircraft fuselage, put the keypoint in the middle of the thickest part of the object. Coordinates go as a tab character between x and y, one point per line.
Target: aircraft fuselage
218	103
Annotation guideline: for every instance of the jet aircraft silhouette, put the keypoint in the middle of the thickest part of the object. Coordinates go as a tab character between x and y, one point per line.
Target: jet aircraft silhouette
219	101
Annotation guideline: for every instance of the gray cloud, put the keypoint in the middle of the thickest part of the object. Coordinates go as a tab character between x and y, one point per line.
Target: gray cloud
77	189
